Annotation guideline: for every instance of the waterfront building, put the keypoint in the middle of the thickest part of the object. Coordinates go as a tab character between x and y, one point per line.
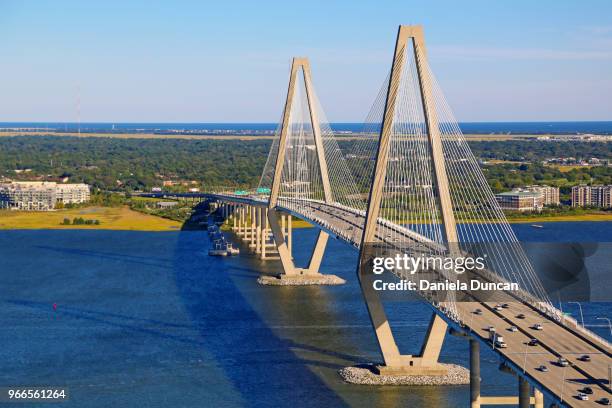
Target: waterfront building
72	193
28	196
550	195
592	196
520	200
40	195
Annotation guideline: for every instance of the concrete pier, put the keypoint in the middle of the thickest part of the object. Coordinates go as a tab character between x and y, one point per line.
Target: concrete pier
524	394
255	226
368	375
474	373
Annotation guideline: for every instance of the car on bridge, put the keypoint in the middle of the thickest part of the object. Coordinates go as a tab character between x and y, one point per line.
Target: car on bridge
562	362
513	329
586	358
604	401
582	396
538	326
533	342
543	368
496	339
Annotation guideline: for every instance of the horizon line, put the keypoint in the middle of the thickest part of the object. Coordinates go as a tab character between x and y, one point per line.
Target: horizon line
268	123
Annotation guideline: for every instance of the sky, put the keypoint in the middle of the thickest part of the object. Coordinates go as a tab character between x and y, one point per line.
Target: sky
228	61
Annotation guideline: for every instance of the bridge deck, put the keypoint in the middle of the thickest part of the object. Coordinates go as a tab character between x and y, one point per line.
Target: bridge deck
555	340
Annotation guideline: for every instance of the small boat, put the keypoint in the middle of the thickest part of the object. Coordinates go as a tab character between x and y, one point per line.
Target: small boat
231	250
218	248
537	226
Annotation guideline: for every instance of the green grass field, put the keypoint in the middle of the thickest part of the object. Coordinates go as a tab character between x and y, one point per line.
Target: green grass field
111	218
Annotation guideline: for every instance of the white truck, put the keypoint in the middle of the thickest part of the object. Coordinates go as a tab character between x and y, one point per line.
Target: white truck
496	339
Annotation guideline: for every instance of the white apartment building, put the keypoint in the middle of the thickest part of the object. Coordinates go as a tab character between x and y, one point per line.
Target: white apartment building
530	198
40	195
550	195
72	193
520	200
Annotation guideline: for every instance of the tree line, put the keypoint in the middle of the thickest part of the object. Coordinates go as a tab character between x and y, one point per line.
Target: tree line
128	165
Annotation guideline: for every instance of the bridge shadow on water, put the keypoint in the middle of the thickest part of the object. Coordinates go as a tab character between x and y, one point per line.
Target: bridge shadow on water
284	345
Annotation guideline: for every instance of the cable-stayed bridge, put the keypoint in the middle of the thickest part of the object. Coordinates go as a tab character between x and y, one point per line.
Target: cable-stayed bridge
412	186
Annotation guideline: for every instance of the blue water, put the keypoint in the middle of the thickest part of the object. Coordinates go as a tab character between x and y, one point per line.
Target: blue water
148	319
600	127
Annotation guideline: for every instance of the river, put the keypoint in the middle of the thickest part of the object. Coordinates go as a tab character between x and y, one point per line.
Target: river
149	320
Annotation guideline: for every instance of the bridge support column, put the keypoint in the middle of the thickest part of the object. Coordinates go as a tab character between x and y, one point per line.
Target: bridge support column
234	217
258	212
240	219
292	275
286	229
264	233
538	397
524	399
317	253
245	215
281	240
244	224
524	395
283	219
283	228
403	364
474	373
253	228
289	233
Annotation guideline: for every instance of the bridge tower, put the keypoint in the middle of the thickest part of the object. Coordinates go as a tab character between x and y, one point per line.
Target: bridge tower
290	271
426	363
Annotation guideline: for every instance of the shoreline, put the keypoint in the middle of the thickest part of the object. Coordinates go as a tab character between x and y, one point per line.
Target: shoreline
475	137
562	218
125	219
